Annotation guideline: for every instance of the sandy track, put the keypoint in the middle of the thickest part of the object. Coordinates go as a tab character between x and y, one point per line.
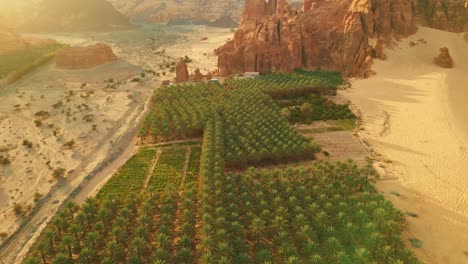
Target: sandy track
410	120
150	171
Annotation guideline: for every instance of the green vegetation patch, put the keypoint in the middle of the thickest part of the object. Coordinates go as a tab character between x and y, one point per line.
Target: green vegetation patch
193	168
130	178
253	129
283	85
312	107
169	169
18	63
416	242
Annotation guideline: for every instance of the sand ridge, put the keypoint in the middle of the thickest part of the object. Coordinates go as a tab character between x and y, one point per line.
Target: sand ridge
410	120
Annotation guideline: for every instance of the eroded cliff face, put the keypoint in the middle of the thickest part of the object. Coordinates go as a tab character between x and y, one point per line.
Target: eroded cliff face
331	35
449	15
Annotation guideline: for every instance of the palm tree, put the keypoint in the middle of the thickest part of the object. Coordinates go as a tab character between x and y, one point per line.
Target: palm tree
257	228
361	256
86	256
50	236
116	251
42	247
32	260
59	224
71	207
137	244
67	241
91	240
317	259
61	258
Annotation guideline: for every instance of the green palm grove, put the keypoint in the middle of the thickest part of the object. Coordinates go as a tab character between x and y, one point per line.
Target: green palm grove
319	213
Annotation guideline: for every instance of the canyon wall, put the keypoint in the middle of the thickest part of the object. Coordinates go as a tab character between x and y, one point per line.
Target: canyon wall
448	15
332	35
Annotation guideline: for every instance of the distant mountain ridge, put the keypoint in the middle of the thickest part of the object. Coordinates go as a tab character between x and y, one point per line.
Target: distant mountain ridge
74	15
162	11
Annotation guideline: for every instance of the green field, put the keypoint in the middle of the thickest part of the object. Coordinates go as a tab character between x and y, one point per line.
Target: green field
169	169
130	177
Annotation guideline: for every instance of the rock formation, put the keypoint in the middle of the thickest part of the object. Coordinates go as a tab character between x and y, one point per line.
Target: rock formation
466	37
182	74
379	50
449	15
84	57
209	76
198	76
330	35
444	59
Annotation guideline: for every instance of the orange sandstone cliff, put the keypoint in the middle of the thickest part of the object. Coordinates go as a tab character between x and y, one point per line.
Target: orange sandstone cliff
331	35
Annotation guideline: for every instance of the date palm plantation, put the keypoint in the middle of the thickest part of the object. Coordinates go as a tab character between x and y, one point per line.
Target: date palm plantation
233	132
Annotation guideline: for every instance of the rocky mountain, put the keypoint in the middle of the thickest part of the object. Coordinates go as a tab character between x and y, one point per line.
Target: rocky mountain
161	11
73	15
332	35
343	35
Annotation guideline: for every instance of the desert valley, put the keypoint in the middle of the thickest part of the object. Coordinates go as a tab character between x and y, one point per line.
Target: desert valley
162	131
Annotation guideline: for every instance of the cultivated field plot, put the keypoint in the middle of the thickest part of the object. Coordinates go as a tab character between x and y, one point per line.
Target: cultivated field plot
281	85
169	169
340	146
123	201
131	177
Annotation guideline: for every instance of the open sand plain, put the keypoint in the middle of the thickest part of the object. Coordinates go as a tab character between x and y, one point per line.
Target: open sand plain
415	122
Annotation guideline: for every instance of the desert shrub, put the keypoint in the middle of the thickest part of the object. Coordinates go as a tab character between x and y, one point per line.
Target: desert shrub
41	113
4	160
58	173
27	143
69	144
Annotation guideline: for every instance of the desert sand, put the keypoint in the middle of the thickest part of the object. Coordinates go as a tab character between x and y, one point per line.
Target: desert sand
414	121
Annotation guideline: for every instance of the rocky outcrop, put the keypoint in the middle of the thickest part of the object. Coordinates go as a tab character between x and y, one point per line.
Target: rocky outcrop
73	58
209	76
182	74
379	50
198	76
444	59
449	15
161	11
330	35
